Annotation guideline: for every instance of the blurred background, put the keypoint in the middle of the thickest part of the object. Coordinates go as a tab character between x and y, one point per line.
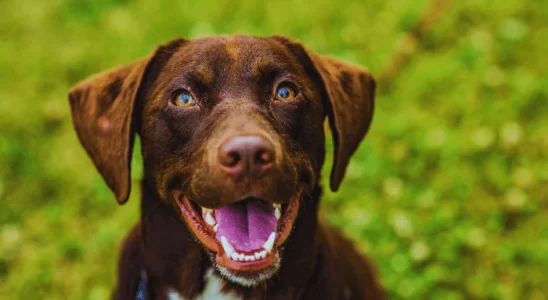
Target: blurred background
448	193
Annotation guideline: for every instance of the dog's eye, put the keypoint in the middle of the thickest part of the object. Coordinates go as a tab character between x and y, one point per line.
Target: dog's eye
285	92
184	98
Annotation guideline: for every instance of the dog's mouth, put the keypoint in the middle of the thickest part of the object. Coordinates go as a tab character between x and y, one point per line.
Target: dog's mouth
245	235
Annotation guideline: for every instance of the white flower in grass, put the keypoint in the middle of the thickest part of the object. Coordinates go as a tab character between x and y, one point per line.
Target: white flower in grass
402	225
510	133
515	198
10	236
477	238
483	137
523	177
392	187
420	251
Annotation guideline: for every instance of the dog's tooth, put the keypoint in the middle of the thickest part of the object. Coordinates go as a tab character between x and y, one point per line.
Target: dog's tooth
227	246
241	257
262	254
206	210
257	255
251	258
215	227
276	205
277	213
270	242
246	258
209	219
234	256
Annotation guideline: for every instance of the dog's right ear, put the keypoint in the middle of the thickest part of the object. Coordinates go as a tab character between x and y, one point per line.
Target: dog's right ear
103	109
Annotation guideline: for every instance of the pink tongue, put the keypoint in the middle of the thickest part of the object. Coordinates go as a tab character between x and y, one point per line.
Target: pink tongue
246	224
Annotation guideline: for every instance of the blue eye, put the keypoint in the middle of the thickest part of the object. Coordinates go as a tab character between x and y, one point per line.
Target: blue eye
285	92
184	99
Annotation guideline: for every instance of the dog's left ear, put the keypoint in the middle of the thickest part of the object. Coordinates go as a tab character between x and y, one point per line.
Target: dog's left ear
350	92
348	98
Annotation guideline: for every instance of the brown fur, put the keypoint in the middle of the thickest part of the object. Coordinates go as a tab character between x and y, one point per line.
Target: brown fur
232	79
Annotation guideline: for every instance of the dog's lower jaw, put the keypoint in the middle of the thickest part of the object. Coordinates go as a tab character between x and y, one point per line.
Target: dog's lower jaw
246	279
253	279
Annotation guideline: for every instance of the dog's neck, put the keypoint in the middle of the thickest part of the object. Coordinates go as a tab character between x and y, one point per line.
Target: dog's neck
182	262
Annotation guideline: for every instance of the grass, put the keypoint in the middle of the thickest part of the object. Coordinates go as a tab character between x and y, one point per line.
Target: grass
448	193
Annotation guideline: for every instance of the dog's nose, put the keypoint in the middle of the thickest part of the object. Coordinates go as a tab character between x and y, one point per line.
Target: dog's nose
246	156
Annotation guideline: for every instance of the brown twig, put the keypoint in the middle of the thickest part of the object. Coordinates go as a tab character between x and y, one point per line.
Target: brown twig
411	41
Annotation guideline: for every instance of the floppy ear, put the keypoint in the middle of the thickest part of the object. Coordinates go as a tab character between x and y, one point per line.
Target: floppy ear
350	94
348	97
103	109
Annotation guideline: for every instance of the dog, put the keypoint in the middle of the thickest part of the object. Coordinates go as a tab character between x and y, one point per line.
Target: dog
232	139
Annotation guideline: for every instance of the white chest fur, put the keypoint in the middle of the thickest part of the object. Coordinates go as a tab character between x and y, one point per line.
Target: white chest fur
212	290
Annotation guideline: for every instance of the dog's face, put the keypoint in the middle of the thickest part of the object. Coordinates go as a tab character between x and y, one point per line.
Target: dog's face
232	137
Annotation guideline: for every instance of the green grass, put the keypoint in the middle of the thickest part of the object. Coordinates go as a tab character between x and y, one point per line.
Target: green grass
448	194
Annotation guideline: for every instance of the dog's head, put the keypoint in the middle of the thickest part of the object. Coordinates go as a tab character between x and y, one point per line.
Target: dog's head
232	136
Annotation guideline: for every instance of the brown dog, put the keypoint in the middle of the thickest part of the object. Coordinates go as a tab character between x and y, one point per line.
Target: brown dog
233	143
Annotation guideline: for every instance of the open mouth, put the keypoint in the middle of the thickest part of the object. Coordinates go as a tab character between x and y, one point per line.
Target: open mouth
245	235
